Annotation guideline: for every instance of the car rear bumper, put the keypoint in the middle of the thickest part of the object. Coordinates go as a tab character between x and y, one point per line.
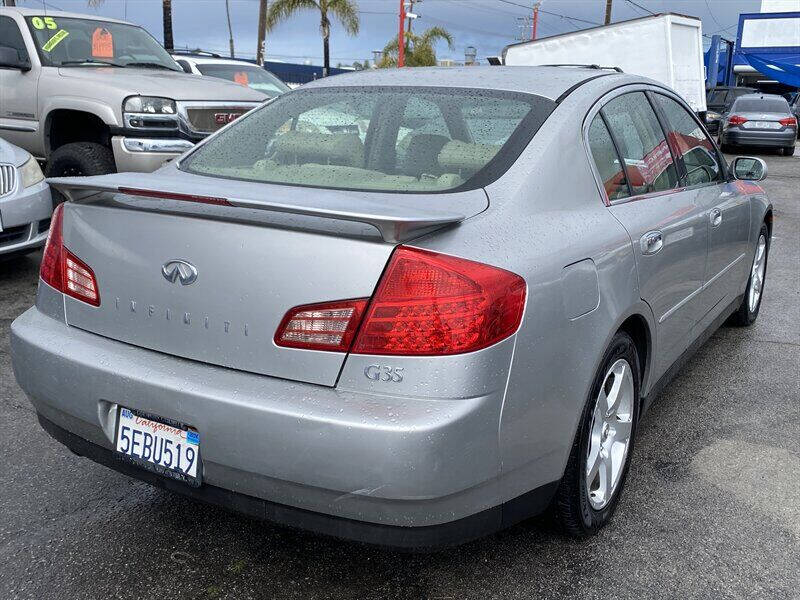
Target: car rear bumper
760	138
272	447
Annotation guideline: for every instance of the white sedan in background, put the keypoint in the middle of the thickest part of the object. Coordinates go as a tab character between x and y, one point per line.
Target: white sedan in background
238	71
25	202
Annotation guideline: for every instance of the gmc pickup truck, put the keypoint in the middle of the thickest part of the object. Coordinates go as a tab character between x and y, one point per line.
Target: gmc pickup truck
92	95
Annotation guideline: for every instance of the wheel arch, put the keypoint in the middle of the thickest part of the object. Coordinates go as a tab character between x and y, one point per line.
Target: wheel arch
67	125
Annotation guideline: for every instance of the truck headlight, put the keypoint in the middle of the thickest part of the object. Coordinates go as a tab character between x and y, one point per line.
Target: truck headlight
149	105
30	173
712	116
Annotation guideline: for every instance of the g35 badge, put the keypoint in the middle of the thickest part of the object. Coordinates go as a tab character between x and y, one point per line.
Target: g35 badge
384	373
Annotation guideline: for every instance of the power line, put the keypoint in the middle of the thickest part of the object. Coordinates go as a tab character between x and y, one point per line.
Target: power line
640	6
711	12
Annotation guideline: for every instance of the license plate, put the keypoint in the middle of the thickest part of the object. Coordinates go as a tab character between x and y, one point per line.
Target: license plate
160	445
763	125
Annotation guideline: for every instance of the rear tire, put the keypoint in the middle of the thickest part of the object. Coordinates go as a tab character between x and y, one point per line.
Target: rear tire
80	158
585	500
788	150
747	313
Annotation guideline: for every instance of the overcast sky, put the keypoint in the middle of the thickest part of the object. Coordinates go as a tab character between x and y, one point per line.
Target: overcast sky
488	25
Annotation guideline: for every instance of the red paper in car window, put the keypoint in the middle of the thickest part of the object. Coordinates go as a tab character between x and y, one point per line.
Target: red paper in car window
240	77
102	43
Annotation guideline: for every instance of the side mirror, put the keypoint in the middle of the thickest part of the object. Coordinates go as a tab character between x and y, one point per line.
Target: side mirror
10	59
749	168
185	66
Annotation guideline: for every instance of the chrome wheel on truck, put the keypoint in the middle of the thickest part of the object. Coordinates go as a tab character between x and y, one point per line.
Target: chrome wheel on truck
610	435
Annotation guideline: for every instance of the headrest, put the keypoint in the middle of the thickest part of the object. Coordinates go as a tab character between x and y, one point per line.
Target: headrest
457	156
299	147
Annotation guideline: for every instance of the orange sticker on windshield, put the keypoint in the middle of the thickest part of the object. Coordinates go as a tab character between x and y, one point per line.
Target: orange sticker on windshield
240	77
102	43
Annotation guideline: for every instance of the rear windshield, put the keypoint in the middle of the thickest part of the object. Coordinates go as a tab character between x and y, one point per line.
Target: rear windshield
249	75
778	105
398	139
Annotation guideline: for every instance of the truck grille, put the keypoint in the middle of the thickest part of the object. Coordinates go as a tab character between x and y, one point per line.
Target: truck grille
8	176
208	120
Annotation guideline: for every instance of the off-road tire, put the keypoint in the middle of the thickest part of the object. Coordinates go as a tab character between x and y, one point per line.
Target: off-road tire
80	158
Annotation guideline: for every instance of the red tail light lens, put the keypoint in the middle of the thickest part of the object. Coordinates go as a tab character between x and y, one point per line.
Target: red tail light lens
736	120
789	122
433	304
324	326
64	271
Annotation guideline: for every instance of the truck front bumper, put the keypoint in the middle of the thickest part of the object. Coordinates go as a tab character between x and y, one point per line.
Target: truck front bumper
145	155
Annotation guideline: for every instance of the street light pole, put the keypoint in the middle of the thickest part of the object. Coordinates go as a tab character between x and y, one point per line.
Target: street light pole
401	36
535	20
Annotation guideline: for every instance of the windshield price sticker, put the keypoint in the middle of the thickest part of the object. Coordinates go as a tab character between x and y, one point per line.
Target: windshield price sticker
55	40
102	43
42	22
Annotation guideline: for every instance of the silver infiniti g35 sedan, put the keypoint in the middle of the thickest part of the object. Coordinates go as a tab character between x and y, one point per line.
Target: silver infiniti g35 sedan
25	202
409	307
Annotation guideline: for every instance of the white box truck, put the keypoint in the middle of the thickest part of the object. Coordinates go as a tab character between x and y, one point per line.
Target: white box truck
666	47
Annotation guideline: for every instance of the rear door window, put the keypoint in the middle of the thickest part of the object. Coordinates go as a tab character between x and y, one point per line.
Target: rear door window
607	160
647	158
690	143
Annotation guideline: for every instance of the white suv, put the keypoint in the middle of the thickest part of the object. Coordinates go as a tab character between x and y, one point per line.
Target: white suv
238	71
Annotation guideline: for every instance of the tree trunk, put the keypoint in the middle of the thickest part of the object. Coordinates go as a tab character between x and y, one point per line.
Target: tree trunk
169	44
608	11
262	31
326	56
230	29
10	3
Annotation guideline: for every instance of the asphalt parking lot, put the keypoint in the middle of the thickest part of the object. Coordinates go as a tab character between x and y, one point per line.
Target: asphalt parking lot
711	509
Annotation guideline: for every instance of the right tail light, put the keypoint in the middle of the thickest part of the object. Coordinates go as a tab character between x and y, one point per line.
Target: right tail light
64	271
426	304
788	122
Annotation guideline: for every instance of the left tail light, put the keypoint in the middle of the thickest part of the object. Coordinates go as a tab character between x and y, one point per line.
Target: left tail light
736	120
64	271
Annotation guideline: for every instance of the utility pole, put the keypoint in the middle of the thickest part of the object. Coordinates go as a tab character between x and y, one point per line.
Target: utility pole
230	29
401	36
10	3
262	31
608	11
535	20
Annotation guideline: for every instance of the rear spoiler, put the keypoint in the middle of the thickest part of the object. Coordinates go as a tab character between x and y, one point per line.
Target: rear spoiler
396	221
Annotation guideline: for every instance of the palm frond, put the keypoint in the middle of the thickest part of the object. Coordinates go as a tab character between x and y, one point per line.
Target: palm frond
346	11
435	34
280	10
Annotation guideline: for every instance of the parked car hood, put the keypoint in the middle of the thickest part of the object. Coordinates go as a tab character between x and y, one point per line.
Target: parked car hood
132	81
11	154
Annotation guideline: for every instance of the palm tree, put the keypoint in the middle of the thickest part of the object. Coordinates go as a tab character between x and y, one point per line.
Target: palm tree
346	11
166	10
419	49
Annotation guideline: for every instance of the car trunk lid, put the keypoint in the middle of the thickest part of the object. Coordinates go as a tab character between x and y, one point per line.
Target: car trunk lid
270	249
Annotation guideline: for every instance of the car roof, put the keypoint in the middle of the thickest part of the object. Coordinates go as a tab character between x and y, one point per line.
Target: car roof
760	97
212	60
549	82
38	12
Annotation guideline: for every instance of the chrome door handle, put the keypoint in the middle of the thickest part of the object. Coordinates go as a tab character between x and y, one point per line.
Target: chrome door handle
652	242
715	216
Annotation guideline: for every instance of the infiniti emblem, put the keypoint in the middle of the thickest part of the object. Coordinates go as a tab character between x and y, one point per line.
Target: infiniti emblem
179	270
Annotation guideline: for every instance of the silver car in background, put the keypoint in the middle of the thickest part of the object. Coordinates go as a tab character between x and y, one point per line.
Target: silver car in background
759	120
439	311
25	202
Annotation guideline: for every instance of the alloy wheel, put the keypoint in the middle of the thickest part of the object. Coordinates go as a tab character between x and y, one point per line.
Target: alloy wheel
610	434
757	274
